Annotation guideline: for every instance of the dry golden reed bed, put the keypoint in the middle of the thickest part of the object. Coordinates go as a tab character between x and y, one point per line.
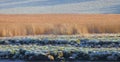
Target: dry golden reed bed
16	25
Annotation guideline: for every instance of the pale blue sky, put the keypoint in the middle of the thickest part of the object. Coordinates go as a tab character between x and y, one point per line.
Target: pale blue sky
59	6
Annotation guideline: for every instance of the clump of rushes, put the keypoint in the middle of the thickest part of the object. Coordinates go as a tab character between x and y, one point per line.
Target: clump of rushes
60	54
78	41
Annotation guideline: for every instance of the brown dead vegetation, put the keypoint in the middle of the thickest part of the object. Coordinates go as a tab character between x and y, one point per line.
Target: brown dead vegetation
61	24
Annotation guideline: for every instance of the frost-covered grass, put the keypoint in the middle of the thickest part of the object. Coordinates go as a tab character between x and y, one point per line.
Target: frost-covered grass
61	48
29	52
52	48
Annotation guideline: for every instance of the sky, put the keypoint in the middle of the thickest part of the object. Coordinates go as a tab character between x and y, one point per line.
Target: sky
59	6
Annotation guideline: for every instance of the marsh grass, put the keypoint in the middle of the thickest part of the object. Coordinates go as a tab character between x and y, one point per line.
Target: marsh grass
20	25
10	29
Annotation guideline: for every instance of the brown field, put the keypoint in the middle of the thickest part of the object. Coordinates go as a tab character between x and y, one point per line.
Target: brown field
61	24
